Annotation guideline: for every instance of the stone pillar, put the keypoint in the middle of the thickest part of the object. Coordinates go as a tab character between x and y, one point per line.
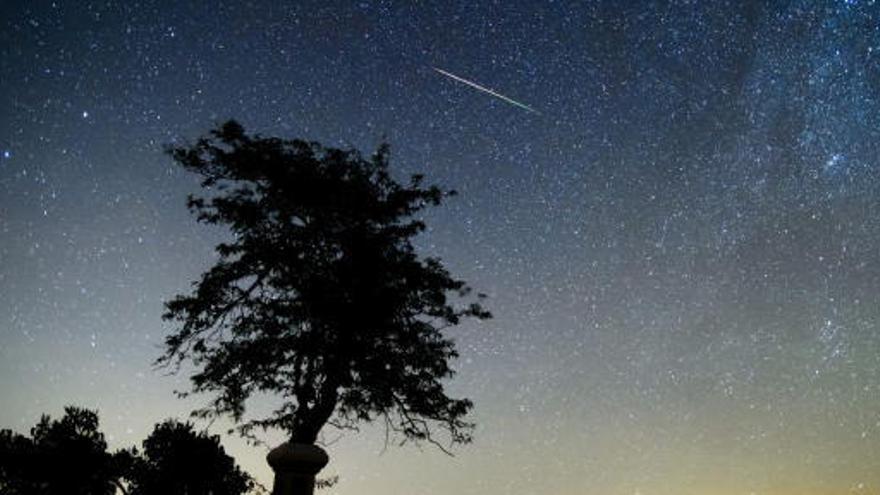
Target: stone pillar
295	466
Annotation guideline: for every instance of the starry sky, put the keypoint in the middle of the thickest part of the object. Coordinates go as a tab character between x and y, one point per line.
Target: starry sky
680	246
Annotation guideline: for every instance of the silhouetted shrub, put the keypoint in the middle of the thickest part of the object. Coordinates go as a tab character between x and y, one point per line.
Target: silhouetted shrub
177	460
68	456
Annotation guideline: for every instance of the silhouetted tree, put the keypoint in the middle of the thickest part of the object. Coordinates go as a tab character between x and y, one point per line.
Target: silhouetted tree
319	297
68	456
177	460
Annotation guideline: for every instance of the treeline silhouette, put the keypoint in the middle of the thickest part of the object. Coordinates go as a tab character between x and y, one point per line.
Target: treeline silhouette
69	456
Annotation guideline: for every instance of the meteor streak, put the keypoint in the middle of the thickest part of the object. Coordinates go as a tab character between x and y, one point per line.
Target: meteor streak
487	90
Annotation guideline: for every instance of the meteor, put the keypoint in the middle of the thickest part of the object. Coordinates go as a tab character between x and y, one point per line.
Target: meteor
486	90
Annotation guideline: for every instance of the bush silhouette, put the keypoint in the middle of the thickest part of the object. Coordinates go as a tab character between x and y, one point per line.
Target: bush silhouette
177	460
67	456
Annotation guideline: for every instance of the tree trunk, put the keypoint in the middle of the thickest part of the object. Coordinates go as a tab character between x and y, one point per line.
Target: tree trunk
295	466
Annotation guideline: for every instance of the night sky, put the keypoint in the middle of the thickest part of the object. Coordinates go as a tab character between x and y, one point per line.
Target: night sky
680	243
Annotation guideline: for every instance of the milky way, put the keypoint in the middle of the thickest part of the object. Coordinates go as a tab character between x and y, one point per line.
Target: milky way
680	251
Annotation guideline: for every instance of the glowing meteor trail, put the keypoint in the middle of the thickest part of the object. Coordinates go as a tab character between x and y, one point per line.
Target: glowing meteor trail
487	90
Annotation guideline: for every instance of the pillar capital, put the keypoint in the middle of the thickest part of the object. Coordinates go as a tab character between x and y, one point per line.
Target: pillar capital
295	466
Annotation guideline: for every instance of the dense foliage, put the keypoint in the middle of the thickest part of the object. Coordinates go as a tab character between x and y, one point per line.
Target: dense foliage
178	460
319	297
69	456
66	456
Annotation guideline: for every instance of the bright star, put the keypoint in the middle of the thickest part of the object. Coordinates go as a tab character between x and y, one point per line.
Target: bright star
831	165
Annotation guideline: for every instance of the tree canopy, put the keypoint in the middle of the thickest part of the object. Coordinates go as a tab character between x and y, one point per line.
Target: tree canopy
178	460
69	456
319	298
